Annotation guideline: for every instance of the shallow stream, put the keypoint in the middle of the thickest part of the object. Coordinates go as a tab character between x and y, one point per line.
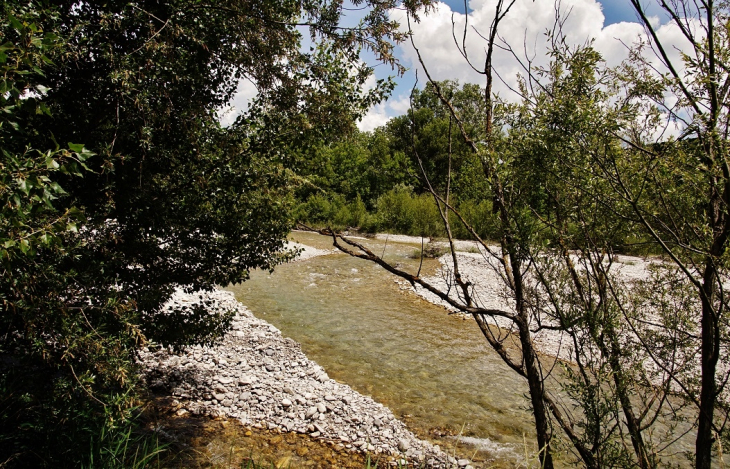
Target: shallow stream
434	370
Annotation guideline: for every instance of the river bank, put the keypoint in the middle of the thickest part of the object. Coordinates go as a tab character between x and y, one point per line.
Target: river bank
262	379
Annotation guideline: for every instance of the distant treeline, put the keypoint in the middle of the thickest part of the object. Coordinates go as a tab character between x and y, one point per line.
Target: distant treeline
371	180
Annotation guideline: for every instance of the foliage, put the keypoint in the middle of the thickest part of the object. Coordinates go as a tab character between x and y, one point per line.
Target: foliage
425	133
578	168
377	167
401	211
362	165
153	194
122	448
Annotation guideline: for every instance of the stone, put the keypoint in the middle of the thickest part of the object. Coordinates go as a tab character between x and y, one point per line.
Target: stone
281	390
403	445
463	462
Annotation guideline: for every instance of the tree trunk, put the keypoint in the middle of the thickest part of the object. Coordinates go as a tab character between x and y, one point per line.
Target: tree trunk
534	376
705	440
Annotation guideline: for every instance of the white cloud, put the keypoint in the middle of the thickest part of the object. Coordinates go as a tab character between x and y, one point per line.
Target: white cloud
245	92
379	114
524	30
375	117
400	105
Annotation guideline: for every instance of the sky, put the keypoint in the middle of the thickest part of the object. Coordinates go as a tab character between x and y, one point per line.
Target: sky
611	24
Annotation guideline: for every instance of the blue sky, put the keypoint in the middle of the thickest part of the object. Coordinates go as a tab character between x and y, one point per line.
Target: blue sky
612	25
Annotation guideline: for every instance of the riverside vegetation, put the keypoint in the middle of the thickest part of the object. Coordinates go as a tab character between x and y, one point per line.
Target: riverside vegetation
586	163
119	185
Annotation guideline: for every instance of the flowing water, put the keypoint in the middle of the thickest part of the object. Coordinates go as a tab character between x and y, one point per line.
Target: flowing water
434	370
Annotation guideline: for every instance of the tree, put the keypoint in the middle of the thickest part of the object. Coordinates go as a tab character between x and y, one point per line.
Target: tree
424	133
696	239
576	172
153	193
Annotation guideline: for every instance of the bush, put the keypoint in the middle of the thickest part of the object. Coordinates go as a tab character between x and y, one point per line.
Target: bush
479	215
333	211
401	211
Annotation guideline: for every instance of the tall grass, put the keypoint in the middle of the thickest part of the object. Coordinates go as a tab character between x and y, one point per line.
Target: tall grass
124	448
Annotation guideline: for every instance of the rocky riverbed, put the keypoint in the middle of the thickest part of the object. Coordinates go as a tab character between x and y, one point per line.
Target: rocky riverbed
262	379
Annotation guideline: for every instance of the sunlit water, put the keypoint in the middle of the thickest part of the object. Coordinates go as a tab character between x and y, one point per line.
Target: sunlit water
436	370
433	370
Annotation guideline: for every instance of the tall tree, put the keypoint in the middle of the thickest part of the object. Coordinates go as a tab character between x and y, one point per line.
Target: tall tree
694	93
576	172
152	193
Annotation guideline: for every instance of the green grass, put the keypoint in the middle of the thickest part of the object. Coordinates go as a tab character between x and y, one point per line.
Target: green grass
124	448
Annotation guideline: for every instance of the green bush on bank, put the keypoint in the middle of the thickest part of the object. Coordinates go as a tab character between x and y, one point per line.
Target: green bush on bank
332	210
399	211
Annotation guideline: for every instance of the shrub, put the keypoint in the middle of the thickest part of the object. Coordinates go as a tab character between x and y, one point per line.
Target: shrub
479	215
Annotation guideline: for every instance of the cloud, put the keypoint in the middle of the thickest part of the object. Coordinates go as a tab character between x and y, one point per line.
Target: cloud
524	30
401	104
245	92
379	114
375	117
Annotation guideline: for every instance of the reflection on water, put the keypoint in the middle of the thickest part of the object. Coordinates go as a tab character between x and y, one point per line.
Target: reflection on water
352	318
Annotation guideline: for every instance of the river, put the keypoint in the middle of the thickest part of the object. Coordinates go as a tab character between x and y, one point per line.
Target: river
432	369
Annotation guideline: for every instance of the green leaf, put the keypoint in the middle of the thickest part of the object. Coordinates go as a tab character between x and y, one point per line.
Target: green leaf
15	23
52	164
76	147
57	188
